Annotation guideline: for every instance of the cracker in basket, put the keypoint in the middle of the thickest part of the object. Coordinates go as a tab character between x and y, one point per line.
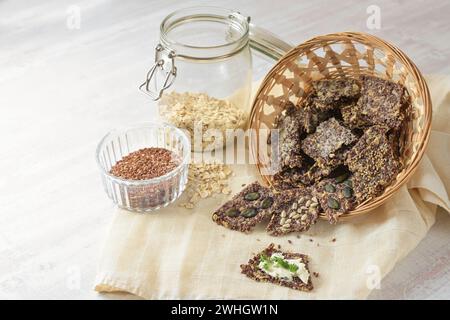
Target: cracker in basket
373	163
291	128
321	169
290	178
279	267
294	210
246	209
351	117
336	196
324	144
381	102
329	94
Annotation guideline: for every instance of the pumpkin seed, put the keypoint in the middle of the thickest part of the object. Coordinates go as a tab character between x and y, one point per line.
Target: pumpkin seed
348	192
251	196
249	213
333	203
348	183
341	178
330	188
267	203
232	212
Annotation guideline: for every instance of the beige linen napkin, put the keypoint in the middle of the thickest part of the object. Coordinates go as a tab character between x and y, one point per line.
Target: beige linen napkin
178	253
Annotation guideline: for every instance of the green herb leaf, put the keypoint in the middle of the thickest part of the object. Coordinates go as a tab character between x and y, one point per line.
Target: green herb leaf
264	258
293	267
282	263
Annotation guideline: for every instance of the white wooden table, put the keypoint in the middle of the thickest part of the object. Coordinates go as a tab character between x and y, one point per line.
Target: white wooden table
64	84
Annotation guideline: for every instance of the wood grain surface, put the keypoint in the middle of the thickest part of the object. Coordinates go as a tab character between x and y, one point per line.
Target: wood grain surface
63	87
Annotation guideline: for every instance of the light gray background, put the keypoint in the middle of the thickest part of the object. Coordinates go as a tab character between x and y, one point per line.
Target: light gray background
61	89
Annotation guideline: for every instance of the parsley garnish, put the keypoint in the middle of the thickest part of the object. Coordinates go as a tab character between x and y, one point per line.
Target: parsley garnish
268	262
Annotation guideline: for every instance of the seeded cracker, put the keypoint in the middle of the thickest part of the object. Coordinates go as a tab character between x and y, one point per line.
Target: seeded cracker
288	178
382	102
336	196
246	209
252	270
329	94
290	128
294	211
351	117
291	178
373	163
329	137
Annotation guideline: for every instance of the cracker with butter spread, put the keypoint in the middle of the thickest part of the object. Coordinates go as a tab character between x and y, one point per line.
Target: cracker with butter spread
280	267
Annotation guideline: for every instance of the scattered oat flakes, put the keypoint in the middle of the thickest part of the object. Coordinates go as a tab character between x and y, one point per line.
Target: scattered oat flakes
205	180
185	109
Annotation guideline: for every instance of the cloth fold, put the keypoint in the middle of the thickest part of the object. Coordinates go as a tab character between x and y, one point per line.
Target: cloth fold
179	253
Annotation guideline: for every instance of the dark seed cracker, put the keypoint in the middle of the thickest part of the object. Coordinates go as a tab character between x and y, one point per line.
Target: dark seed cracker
329	137
294	210
329	192
373	163
252	270
240	222
381	102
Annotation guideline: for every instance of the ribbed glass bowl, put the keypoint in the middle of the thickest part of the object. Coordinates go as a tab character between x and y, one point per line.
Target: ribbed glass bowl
143	195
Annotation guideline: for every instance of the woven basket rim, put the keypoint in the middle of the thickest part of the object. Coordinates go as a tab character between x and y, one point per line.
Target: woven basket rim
409	65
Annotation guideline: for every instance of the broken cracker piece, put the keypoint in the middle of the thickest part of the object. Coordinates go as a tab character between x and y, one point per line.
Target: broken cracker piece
246	209
294	210
382	102
329	137
373	163
329	94
281	268
336	196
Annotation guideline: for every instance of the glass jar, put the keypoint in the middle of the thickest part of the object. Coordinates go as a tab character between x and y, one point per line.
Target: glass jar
202	73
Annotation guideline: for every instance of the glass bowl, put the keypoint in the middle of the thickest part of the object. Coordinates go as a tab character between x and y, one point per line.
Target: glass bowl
143	195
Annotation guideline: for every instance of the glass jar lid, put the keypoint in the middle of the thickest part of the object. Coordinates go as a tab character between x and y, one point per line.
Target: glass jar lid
204	33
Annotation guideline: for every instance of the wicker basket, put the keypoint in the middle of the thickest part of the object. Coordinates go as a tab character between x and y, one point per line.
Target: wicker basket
343	55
